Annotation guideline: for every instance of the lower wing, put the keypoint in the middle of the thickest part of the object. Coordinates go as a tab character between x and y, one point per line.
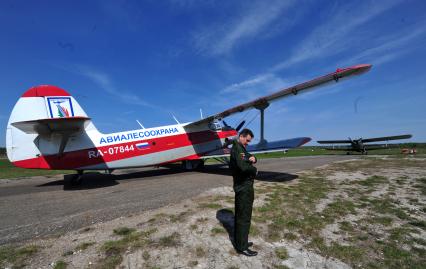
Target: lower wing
274	146
334	141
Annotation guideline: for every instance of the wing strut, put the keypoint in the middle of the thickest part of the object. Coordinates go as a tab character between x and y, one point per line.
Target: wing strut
261	106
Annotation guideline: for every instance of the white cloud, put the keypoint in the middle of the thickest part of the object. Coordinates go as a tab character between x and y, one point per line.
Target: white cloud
256	87
255	20
253	82
333	36
390	47
105	83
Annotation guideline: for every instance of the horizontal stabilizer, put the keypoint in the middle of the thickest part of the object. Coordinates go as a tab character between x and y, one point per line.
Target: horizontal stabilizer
65	127
52	125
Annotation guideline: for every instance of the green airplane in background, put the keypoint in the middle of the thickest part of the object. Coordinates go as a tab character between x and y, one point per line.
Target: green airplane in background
359	145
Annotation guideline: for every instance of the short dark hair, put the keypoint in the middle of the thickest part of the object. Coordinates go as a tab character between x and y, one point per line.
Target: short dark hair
246	132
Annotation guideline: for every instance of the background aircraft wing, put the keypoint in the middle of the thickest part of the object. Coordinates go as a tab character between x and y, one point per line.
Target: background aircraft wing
302	87
386	138
344	148
375	146
334	142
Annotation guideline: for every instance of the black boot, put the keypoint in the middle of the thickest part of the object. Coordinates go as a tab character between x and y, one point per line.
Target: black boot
248	252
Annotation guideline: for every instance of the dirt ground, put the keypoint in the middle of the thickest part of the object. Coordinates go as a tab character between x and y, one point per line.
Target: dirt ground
42	206
365	213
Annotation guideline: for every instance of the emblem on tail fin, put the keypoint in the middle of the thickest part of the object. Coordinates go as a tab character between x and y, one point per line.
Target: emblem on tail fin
60	107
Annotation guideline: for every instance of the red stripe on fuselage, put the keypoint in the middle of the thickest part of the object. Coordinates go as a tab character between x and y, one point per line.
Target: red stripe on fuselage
114	152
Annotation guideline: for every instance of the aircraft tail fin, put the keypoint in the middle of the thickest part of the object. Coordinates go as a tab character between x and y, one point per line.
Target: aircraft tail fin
42	122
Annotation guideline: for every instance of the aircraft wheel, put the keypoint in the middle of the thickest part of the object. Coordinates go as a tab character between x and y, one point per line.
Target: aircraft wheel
76	179
200	165
190	165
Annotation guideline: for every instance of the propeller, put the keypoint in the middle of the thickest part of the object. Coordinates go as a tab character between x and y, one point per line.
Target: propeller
240	125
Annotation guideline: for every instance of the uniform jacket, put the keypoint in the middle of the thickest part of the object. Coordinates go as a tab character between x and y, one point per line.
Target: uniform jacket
242	169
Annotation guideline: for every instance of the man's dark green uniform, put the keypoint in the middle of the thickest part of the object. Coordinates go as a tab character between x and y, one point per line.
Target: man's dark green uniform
243	173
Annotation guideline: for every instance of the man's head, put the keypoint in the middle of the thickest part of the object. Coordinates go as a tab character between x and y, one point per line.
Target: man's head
246	135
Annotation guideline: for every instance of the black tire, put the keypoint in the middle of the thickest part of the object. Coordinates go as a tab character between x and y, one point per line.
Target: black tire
76	180
201	165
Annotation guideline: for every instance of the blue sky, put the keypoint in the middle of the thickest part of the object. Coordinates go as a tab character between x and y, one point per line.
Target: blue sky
147	60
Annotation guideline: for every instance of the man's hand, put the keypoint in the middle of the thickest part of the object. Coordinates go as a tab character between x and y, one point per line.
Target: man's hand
252	159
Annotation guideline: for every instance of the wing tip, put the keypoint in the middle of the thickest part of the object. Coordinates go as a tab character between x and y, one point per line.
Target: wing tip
359	68
304	141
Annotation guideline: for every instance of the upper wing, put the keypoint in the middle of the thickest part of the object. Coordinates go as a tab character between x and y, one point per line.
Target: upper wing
302	87
386	138
334	142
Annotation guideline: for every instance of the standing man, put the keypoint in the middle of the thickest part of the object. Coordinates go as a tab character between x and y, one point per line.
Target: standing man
243	172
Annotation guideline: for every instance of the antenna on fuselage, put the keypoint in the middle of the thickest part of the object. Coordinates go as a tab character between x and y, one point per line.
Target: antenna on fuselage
140	124
201	113
175	119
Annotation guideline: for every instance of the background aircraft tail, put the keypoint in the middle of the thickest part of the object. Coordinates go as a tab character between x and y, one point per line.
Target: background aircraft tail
46	121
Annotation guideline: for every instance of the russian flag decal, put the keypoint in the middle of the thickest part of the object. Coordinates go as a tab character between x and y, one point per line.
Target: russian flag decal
142	145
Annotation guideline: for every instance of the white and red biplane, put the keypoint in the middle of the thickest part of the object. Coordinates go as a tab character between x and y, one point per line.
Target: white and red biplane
49	130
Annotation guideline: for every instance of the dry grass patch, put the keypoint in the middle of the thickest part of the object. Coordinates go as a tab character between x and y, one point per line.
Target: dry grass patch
281	253
172	240
217	230
370	230
16	257
130	240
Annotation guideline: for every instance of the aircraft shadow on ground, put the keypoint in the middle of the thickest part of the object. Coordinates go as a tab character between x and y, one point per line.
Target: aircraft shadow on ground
266	176
93	180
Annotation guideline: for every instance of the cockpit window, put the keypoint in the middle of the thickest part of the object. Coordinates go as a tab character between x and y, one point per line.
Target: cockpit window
215	126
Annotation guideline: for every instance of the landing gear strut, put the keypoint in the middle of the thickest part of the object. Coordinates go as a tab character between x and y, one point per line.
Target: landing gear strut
189	165
77	179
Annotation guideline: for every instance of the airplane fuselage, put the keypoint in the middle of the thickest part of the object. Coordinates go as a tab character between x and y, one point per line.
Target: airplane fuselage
135	148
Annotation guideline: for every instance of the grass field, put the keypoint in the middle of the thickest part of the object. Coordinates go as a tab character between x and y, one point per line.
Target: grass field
314	151
8	170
